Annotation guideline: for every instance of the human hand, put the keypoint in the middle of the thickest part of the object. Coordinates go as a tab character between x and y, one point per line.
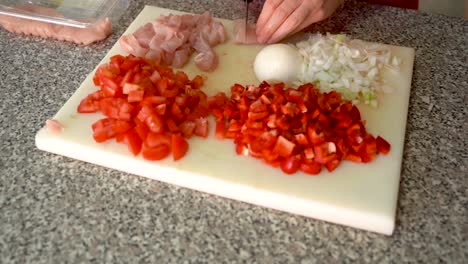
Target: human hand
280	18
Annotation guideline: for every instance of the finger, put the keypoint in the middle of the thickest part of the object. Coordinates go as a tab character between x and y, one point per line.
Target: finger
292	23
267	10
277	18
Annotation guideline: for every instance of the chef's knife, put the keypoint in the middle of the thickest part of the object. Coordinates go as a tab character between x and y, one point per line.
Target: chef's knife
246	16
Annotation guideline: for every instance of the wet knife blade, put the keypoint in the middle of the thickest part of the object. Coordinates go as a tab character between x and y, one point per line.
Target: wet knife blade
246	17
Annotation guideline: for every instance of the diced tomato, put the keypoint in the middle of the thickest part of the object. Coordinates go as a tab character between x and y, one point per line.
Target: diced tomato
130	62
128	87
382	145
314	136
142	130
107	128
88	105
147	103
117	108
133	141
265	141
161	109
201	127
309	153
353	157
179	147
290	164
187	128
220	129
331	165
155	123
109	87
155	99
155	153
172	126
156	139
301	139
197	82
176	112
283	147
312	167
135	96
325	152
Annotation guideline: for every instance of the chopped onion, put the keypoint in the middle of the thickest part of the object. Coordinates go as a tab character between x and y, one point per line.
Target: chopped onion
349	66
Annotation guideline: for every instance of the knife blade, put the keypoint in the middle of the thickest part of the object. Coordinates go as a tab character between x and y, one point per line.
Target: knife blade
246	17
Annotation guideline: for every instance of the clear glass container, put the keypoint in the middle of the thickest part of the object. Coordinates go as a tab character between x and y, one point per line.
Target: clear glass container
81	14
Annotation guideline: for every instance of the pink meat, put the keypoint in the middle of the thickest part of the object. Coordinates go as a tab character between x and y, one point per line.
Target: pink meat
239	33
54	126
172	39
173	43
181	56
83	36
154	55
131	45
145	34
206	61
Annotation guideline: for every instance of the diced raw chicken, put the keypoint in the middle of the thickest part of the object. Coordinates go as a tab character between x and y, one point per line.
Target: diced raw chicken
220	31
171	40
54	126
239	33
46	30
154	55
173	43
206	61
200	44
131	45
144	35
181	57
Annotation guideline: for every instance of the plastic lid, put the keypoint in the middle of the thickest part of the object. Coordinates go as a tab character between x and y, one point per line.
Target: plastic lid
73	13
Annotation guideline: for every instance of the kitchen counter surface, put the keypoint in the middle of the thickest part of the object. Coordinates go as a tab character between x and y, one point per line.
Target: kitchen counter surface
56	210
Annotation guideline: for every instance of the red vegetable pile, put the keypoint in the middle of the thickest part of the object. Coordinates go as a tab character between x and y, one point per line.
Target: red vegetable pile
148	107
295	129
154	110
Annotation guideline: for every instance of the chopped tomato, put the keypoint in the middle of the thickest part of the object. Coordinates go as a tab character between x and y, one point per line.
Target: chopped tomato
133	141
156	139
90	104
312	167
145	105
280	124
155	153
382	145
107	128
283	147
265	141
201	127
179	147
220	129
290	165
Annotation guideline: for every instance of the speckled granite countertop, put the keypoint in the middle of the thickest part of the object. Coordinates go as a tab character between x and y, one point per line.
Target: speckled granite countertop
57	210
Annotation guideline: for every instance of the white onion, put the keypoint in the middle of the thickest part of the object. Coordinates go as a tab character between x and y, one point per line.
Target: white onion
350	66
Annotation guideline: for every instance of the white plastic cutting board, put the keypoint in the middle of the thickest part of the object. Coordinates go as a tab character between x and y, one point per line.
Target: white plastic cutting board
358	195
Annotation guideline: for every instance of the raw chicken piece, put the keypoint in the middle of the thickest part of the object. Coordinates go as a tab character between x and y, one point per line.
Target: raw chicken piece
144	35
200	44
154	55
83	36
54	126
171	40
173	43
131	45
181	57
206	61
239	33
